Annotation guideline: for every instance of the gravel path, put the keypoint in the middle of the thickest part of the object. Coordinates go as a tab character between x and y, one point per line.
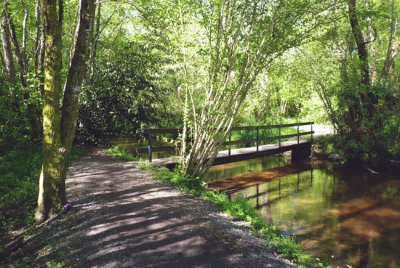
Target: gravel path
124	218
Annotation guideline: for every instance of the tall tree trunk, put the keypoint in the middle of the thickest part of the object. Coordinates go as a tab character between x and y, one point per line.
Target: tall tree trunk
95	39
6	39
372	49
59	123
17	51
393	48
24	30
360	41
39	31
51	184
368	100
39	46
41	63
76	74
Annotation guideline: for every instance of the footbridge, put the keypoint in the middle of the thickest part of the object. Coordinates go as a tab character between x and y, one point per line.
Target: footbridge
242	143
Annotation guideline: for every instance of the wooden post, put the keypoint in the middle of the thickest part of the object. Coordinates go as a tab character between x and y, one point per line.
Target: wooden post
279	136
258	137
298	134
149	151
229	152
311	132
257	197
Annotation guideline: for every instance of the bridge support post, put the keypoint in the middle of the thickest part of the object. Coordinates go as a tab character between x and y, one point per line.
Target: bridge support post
230	139
258	138
279	136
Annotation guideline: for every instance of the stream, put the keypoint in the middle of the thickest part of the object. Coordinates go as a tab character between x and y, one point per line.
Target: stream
339	215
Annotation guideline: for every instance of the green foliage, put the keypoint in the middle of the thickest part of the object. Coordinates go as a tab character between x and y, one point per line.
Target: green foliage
15	129
19	174
373	133
121	153
60	260
327	144
264	135
122	95
241	209
145	165
19	171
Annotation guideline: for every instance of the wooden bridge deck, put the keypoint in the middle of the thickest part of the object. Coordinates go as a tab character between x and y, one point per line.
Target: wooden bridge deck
247	153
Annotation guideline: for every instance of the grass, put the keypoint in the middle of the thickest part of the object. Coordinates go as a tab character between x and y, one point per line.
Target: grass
19	174
121	154
240	209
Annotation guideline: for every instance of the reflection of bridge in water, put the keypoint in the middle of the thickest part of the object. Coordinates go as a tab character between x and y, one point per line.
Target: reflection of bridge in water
264	188
280	188
255	178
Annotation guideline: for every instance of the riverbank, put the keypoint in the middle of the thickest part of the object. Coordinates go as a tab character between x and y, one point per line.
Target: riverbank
122	217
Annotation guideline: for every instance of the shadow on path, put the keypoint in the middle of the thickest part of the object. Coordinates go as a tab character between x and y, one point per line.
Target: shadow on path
123	218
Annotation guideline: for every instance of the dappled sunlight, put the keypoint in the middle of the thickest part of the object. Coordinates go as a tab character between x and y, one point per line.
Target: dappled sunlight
121	217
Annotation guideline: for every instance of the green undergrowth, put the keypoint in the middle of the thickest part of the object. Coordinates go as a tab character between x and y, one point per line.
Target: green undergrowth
19	175
240	209
121	153
327	144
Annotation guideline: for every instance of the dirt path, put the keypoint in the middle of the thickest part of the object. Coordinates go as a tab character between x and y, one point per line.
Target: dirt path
123	218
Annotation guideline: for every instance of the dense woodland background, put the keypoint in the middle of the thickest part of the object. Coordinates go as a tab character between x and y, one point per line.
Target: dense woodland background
201	65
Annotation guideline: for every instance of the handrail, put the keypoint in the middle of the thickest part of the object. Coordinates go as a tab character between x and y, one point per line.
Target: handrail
179	130
150	132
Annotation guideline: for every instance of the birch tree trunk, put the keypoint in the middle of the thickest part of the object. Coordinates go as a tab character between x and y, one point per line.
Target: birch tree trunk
17	52
38	34
7	49
393	47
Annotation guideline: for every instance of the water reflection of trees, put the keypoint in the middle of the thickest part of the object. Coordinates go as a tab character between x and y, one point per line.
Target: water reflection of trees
356	219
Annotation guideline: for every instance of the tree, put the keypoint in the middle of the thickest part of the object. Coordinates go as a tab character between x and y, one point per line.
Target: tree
348	63
59	122
243	38
8	57
393	45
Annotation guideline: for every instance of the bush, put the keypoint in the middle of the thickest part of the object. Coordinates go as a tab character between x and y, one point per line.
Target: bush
121	96
370	131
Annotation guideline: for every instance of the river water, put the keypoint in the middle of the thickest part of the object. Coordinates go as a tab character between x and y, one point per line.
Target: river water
339	215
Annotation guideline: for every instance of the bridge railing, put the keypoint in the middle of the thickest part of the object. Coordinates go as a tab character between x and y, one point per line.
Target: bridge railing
255	136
